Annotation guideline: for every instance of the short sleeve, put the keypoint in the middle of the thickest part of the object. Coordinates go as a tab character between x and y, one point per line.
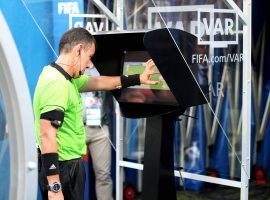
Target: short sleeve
54	96
81	82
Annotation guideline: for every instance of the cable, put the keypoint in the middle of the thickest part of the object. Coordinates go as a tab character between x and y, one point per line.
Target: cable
39	28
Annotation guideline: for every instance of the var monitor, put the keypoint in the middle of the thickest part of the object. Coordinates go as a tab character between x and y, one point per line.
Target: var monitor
134	62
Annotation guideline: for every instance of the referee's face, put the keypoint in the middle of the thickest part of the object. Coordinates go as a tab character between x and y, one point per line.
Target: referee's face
86	56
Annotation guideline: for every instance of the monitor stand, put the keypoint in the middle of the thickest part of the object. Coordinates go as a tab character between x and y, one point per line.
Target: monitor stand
158	170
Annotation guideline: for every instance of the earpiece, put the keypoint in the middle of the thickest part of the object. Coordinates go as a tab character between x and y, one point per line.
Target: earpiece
80	72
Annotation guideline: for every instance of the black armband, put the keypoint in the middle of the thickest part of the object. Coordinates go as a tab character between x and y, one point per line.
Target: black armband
55	116
50	163
130	80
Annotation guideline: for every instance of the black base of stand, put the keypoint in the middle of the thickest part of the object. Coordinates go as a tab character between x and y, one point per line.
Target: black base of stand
158	172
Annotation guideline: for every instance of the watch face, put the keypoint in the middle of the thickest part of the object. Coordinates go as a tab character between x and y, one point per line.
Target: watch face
55	187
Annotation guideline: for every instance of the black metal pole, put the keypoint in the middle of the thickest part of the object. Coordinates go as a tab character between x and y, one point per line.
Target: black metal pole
158	173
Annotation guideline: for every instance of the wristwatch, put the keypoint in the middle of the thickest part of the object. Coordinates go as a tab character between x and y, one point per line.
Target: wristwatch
55	187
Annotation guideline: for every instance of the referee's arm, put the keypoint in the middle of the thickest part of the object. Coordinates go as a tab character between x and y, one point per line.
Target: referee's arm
96	83
49	145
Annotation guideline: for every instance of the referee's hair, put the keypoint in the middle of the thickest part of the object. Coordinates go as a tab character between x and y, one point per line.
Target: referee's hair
74	36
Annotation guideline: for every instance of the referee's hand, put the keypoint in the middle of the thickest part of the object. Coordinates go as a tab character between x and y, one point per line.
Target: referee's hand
145	77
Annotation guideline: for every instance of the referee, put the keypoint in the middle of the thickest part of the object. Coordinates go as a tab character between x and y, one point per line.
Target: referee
59	127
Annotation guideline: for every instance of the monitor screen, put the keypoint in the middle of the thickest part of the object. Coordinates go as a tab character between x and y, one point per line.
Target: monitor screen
134	62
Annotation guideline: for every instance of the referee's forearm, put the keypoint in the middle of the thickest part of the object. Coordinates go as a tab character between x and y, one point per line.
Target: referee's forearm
48	144
98	83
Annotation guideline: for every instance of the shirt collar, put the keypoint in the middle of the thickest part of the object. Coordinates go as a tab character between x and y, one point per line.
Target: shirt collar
61	70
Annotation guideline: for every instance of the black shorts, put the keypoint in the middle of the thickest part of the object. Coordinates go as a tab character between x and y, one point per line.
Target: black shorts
72	178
